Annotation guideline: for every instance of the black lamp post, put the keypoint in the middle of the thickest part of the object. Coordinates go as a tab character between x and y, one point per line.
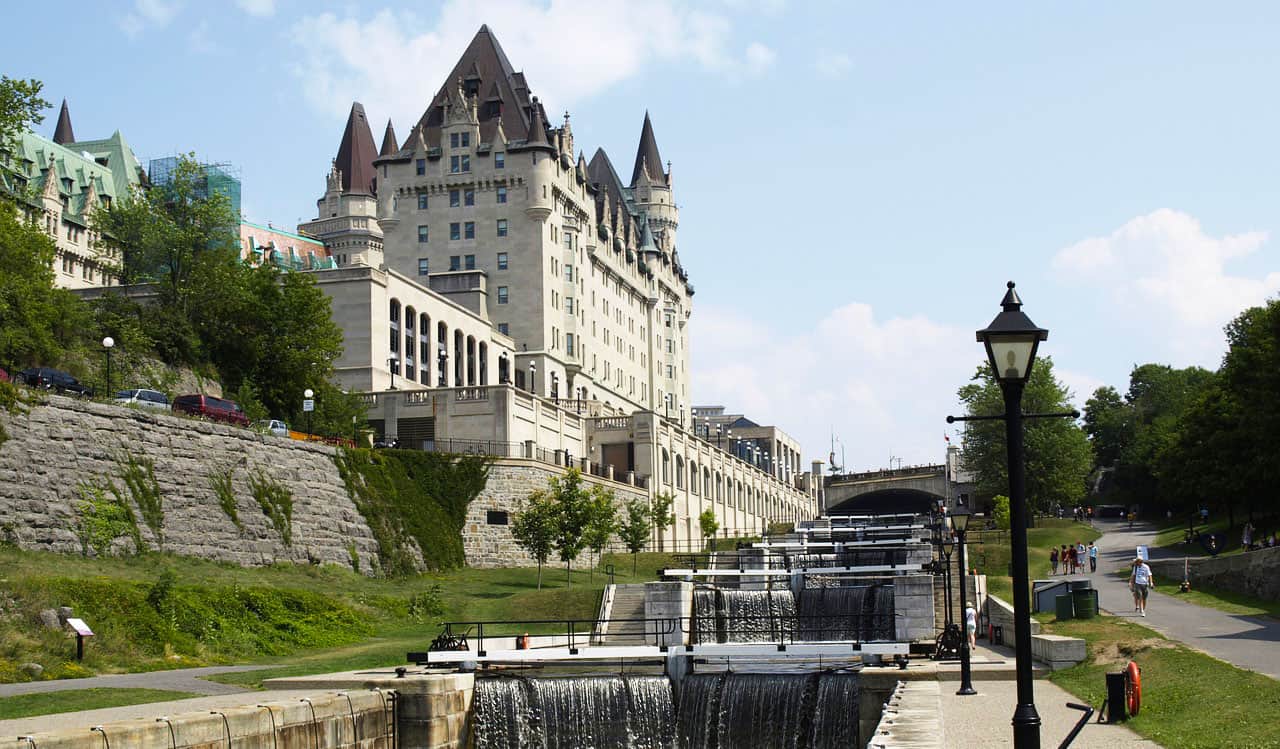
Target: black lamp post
1011	341
948	546
108	343
960	522
392	363
533	374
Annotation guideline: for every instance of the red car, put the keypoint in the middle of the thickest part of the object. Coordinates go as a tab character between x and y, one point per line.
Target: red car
209	407
4	376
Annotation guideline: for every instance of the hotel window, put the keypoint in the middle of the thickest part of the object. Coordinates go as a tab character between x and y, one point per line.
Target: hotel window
502	227
469	197
470	262
502	194
568	343
459	140
422	266
504	328
568	272
422	234
470	230
459	164
502	261
502	295
568	304
455	262
499	160
454	202
421	166
568	240
455	230
670	372
671	345
422	201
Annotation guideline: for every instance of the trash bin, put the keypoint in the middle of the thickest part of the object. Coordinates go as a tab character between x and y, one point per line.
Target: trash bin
1085	602
1062	605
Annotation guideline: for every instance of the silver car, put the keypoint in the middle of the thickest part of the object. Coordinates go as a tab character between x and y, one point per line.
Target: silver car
272	426
143	398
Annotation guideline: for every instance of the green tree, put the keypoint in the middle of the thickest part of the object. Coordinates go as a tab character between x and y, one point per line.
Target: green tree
1058	455
661	515
37	321
571	515
20	106
636	529
602	522
534	529
1158	397
1108	422
1000	511
708	525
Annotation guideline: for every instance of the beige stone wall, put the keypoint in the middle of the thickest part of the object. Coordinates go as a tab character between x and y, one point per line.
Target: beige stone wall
55	447
510	483
1253	573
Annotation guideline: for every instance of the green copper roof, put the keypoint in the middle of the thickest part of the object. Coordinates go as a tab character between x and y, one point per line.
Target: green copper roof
116	153
31	158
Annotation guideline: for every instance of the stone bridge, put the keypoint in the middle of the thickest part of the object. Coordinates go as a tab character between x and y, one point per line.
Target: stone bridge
908	489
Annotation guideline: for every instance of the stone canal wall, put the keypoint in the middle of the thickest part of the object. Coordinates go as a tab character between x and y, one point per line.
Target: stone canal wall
486	535
57	451
1253	573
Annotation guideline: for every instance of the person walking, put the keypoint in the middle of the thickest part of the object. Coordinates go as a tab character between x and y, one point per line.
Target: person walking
1071	560
971	625
1080	552
1140	582
1053	560
1065	559
1093	558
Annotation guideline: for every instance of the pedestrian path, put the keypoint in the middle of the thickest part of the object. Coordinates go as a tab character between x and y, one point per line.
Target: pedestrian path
177	680
1246	641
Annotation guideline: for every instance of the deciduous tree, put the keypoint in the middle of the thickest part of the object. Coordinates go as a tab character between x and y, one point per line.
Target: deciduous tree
534	529
661	514
708	525
636	529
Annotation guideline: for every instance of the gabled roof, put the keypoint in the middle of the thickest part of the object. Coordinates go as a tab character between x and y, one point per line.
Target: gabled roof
62	134
114	153
647	157
356	153
388	141
74	175
600	171
502	92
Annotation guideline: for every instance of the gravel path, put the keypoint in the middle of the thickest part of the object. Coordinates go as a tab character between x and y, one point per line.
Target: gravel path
178	680
1246	641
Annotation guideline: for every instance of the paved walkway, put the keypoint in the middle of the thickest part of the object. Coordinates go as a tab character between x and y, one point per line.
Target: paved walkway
1246	641
178	680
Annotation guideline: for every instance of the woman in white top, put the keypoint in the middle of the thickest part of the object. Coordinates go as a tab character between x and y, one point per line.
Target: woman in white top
971	625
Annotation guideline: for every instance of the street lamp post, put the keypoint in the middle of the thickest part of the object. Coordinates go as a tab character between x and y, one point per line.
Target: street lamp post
392	363
108	343
1011	341
309	405
948	546
960	521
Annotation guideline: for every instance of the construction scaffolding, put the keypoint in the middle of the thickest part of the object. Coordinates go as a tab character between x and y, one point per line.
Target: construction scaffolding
221	178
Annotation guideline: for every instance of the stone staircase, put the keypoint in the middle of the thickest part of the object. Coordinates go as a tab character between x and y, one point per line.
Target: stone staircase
628	603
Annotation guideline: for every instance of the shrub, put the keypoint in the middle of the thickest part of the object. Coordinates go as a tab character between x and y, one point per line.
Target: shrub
276	502
139	477
221	484
102	519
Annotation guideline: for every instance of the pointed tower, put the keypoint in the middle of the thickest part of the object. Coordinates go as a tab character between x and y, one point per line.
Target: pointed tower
62	134
651	189
388	141
356	153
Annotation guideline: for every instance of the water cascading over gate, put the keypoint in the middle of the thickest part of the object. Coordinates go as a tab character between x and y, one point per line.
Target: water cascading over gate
715	711
862	613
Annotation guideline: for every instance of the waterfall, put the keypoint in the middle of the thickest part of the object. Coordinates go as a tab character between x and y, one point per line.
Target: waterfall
705	621
769	711
755	615
883	619
853	613
582	712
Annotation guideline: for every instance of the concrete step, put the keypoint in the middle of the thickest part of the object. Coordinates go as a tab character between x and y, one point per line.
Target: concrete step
628	603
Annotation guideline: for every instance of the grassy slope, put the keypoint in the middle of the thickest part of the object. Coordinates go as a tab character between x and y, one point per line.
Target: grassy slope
991	551
74	700
1190	699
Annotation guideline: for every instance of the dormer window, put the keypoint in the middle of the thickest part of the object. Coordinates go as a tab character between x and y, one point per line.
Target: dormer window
460	140
500	160
459	164
421	166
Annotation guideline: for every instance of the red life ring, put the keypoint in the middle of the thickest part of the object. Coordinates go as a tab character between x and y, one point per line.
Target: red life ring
1133	687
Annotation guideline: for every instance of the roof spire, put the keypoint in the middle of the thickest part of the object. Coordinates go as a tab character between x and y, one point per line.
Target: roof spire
537	127
62	134
356	153
648	161
388	141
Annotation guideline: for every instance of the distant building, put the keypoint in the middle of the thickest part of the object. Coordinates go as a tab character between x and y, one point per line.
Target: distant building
60	182
766	447
266	244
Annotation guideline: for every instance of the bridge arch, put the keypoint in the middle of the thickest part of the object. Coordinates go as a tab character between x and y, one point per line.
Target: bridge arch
885	501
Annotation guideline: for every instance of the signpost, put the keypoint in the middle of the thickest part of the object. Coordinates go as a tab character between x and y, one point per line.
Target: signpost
82	631
308	405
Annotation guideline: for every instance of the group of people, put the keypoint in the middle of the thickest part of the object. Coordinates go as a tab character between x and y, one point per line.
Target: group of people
1071	559
1251	540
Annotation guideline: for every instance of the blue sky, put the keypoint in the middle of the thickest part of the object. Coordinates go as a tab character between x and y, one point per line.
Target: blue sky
857	180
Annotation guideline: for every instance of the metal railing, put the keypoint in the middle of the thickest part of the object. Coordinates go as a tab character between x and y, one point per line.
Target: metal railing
578	633
847	558
475	447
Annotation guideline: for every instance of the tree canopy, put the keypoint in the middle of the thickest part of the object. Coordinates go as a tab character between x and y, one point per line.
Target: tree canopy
1058	455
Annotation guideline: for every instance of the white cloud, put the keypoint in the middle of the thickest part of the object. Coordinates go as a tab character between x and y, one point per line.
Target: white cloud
883	385
832	64
394	62
259	8
147	14
1080	385
1164	270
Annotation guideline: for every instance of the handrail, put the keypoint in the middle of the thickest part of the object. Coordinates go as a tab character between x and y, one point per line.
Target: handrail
878	557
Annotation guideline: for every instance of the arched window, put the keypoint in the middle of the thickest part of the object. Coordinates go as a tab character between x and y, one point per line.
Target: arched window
395	358
679	472
424	349
442	355
410	344
666	467
471	361
483	357
694	477
459	358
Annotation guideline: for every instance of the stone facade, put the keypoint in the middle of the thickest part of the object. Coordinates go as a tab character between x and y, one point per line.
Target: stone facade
56	447
1253	573
488	542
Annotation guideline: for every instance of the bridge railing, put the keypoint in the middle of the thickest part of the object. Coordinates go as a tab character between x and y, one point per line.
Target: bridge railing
878	557
887	473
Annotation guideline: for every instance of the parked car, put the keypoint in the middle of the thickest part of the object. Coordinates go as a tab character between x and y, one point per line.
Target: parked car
209	407
272	426
149	399
54	379
4	376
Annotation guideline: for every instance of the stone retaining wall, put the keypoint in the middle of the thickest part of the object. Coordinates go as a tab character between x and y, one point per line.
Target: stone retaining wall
1252	573
510	483
57	447
352	720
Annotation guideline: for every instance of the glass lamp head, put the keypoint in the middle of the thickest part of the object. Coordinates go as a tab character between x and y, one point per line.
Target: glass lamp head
1011	340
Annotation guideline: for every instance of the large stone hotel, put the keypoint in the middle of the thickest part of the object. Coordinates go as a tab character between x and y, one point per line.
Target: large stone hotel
500	292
